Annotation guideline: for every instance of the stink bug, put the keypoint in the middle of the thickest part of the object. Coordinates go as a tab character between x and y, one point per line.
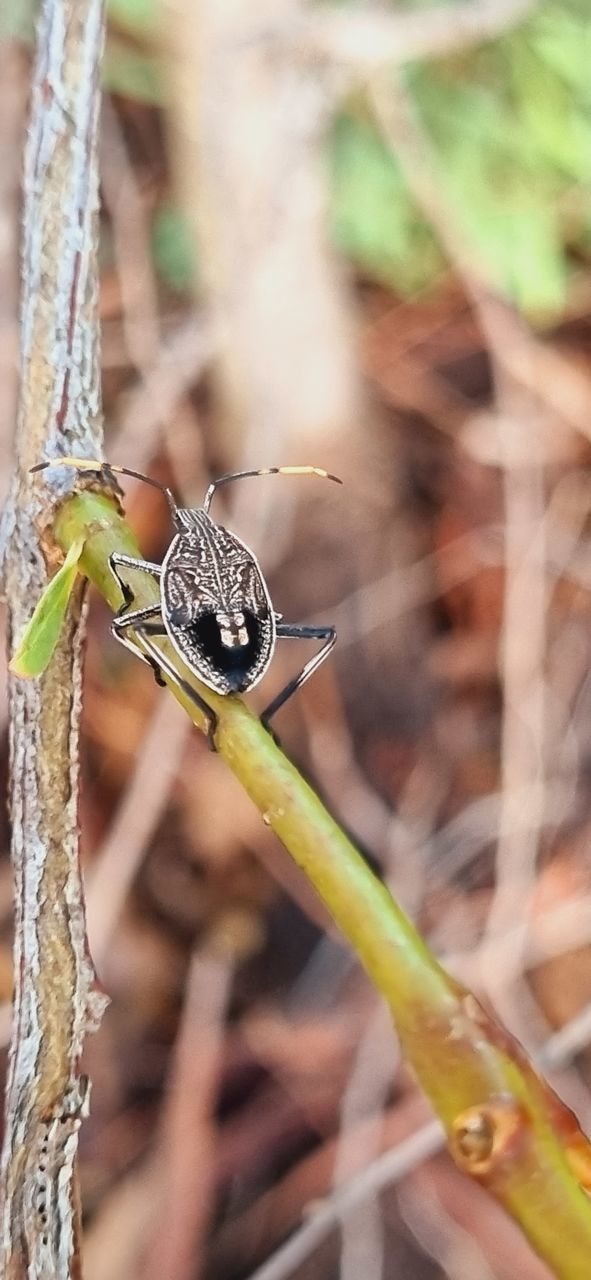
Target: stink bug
214	605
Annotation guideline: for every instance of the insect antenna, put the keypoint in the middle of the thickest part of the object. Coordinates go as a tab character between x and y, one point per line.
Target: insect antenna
107	469
266	471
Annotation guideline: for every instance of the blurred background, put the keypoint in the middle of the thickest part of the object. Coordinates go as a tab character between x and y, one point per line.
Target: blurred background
358	237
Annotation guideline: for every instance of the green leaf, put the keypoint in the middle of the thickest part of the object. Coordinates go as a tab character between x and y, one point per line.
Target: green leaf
42	631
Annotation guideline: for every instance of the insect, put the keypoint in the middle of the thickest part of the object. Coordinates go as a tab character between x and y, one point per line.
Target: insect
214	604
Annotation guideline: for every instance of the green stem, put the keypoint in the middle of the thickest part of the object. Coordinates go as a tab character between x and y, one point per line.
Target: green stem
461	1058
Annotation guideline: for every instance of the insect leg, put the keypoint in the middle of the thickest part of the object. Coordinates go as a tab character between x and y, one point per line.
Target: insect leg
118	558
141	619
163	662
149	622
122	621
287	631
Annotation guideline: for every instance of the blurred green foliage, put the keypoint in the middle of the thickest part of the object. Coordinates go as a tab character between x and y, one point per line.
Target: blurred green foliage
374	220
172	247
510	126
17	20
133	73
132	64
138	16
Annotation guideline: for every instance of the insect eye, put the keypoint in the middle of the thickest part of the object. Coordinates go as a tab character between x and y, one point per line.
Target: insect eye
239	619
222	620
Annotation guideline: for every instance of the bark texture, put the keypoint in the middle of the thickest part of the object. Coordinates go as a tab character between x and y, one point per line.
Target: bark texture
55	1000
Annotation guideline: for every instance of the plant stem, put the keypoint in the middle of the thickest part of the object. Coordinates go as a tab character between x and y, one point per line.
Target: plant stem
505	1126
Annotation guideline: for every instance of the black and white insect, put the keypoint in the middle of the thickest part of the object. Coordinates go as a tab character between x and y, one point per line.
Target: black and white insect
214	603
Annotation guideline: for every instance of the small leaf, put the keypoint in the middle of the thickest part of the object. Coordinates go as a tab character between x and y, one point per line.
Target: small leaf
42	631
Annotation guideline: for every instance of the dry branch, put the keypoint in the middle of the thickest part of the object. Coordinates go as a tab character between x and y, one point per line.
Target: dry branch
55	1001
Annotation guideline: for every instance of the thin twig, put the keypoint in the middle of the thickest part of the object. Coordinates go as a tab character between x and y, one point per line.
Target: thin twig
142	805
187	1132
384	1171
371	39
371	1077
131	237
181	360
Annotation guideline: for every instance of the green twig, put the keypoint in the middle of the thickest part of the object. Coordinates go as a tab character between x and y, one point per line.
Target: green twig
505	1127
